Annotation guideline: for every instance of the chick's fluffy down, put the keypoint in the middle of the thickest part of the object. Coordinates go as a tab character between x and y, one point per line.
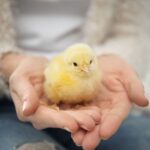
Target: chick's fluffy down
64	85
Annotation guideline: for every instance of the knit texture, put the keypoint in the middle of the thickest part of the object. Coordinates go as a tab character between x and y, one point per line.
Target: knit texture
122	27
7	32
7	37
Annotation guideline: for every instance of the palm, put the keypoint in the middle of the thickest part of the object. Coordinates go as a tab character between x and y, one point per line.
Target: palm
114	105
112	98
118	88
26	88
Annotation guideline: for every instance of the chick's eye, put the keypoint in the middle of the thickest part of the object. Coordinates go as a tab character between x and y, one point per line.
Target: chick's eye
91	61
75	64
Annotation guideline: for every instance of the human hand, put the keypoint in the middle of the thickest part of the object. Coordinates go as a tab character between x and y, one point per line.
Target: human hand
26	88
120	87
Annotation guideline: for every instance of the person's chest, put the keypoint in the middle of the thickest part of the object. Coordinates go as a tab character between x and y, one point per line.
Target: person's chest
50	24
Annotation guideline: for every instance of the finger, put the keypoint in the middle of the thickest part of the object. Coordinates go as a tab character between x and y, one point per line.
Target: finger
45	117
18	106
24	89
88	143
39	89
38	85
78	137
85	121
112	119
135	89
92	111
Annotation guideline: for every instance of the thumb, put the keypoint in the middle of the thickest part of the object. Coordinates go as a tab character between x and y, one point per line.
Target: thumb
27	94
135	90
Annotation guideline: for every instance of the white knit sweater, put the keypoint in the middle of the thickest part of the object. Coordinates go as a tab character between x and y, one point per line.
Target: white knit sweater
112	26
122	27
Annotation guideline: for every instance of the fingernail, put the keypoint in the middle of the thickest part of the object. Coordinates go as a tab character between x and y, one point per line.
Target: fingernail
67	129
24	106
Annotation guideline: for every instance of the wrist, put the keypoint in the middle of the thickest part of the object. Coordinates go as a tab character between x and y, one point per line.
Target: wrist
9	63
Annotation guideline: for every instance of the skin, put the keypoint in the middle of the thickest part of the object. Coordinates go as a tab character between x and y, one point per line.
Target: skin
26	88
120	88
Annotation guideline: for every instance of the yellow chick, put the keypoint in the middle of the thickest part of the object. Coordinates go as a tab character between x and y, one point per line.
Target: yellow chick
73	76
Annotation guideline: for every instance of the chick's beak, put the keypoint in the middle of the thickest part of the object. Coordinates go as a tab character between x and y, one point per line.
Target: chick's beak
85	69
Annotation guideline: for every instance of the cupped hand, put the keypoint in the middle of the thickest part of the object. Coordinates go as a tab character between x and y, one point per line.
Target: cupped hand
119	89
26	82
26	88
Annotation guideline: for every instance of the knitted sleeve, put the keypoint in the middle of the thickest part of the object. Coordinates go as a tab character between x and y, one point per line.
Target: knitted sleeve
122	28
7	38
